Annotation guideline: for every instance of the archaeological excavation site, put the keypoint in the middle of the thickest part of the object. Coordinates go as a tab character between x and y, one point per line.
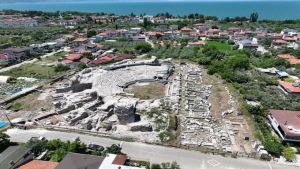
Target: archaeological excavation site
151	100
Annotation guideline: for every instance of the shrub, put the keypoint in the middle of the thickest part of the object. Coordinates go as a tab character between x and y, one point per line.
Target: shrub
61	68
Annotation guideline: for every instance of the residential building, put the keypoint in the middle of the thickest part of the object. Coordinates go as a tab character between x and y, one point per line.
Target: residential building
288	87
80	161
290	58
39	164
113	161
15	156
20	53
286	124
17	21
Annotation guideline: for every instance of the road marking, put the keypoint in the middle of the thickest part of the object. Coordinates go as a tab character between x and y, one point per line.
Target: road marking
270	167
203	165
213	162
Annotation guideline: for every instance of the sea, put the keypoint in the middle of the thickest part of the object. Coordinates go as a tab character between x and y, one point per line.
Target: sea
268	9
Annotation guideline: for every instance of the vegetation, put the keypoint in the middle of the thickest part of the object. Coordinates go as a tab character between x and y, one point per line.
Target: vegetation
289	154
61	68
4	141
17	106
58	149
143	47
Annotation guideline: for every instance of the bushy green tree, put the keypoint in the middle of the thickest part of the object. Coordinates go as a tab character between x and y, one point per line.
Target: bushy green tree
143	47
289	154
61	68
113	149
254	17
4	141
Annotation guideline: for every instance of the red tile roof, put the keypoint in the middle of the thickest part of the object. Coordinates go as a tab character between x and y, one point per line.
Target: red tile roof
186	29
85	60
289	87
279	41
289	121
291	58
73	57
39	164
120	160
101	60
80	40
5	56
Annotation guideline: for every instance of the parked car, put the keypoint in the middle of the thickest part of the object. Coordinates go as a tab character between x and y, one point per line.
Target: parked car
95	147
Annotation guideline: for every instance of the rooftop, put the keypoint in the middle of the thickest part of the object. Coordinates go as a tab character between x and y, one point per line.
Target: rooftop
12	153
80	161
289	121
289	87
39	164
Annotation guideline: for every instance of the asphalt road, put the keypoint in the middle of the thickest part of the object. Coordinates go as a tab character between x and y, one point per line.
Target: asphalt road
154	153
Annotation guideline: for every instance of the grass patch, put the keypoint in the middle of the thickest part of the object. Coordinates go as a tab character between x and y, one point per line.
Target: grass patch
55	57
16	107
290	80
148	91
31	70
219	45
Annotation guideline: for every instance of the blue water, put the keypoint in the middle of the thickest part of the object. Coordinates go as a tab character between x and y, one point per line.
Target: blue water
277	10
2	124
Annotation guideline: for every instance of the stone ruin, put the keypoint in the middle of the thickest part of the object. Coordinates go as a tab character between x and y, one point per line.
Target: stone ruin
95	98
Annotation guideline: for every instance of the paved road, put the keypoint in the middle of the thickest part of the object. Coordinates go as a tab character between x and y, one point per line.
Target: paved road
153	153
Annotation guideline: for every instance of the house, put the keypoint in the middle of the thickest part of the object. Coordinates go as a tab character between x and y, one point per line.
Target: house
80	161
113	161
278	43
15	156
289	87
286	124
7	57
80	41
246	44
282	74
186	30
197	44
21	53
102	60
290	58
17	21
39	164
232	30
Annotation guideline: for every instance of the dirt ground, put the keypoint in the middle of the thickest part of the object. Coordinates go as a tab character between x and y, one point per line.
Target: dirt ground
219	100
146	91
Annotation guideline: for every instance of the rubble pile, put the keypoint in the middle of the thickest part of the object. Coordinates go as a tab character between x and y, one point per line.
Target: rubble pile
198	126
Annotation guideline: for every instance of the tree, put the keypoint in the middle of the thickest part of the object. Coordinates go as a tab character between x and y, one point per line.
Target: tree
91	33
37	146
254	17
155	166
289	154
82	66
273	146
4	141
61	68
143	47
113	149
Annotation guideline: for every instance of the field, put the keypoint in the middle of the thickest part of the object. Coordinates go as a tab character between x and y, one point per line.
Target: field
33	70
219	45
147	91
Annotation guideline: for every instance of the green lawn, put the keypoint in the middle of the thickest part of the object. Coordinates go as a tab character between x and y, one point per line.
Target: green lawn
31	70
219	45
